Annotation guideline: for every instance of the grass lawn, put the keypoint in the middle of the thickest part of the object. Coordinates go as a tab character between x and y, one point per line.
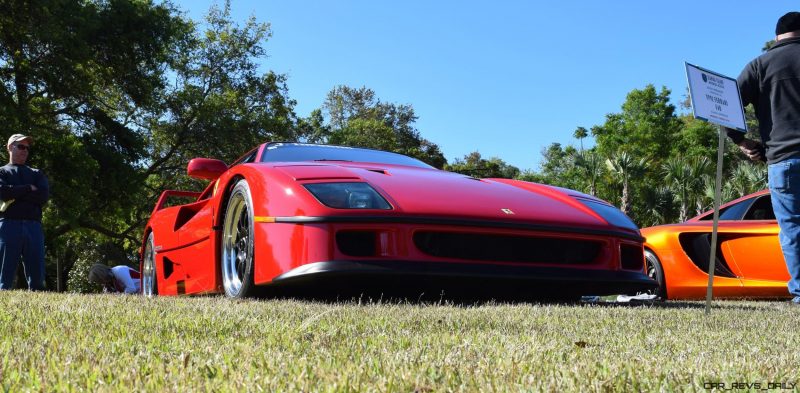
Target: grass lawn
68	342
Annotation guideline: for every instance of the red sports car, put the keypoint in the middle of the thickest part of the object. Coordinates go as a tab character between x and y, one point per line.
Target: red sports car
294	215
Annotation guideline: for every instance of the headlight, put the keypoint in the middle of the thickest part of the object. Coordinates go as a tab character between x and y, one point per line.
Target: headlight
609	213
348	195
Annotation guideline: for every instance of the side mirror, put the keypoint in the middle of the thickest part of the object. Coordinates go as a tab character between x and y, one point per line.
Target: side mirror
206	168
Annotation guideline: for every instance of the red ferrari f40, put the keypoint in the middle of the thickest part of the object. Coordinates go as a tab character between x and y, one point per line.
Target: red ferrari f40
320	217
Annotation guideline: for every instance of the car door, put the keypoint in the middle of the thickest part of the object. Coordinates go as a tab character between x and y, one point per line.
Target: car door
195	260
752	243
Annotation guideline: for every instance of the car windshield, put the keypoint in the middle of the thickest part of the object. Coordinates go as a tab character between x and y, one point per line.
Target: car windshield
732	212
293	152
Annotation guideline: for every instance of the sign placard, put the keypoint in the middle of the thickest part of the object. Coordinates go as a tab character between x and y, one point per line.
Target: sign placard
715	98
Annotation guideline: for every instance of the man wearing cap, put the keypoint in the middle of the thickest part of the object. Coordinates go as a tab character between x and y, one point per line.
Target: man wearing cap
23	191
771	83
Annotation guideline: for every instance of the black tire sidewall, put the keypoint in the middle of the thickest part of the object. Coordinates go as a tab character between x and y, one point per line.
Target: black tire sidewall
661	291
248	286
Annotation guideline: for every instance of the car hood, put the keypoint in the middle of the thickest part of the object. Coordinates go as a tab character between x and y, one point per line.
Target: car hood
436	193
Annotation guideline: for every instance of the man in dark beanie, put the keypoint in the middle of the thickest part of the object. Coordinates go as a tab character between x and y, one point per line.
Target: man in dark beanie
771	83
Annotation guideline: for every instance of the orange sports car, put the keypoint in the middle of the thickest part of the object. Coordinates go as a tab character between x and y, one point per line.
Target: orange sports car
749	262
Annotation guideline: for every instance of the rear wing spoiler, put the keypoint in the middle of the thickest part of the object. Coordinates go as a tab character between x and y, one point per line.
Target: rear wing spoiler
173	193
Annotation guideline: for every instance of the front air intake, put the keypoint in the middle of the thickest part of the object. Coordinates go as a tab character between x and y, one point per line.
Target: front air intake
356	243
508	248
631	257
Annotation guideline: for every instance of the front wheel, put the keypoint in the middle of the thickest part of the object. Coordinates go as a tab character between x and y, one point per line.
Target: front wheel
237	257
149	282
656	272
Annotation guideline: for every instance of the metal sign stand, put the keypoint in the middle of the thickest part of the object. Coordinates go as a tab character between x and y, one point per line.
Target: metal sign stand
715	99
712	259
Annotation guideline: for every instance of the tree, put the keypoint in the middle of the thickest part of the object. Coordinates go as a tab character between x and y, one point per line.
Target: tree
696	138
367	133
701	170
642	146
579	134
77	76
625	167
119	95
659	206
357	117
747	178
558	168
709	191
78	61
645	128
474	165
220	105
685	178
592	166
313	129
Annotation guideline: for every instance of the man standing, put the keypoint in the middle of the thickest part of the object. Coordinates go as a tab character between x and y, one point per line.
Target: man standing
23	191
771	83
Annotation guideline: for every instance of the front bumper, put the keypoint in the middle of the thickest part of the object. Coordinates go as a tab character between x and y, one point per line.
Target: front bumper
468	279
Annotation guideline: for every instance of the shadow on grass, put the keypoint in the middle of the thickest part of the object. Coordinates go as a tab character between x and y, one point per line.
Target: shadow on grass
699	305
472	297
417	298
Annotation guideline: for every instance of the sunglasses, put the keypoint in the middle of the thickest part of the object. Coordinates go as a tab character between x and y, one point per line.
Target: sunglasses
22	147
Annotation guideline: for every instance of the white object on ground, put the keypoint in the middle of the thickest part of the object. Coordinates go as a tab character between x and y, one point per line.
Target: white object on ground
640	297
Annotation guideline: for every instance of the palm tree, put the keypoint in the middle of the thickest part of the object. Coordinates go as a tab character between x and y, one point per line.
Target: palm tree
726	194
705	199
624	166
685	177
579	134
678	176
659	203
591	164
701	169
747	178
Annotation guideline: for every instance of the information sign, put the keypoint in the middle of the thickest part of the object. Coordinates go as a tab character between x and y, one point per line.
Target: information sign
715	98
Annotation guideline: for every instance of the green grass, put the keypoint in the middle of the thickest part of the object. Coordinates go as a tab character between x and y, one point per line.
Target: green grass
58	342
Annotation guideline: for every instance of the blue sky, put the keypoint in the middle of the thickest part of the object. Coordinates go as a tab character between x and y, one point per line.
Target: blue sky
505	78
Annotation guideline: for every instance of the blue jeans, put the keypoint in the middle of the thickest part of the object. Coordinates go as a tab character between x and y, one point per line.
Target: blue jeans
784	187
21	238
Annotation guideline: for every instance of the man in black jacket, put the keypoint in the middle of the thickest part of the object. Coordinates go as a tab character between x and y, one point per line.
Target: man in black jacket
23	191
771	83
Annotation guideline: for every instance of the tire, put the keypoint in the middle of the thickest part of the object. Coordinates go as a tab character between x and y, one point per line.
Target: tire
237	252
656	272
149	280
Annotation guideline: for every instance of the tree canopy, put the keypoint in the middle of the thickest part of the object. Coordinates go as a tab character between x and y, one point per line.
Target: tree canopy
659	165
357	117
473	164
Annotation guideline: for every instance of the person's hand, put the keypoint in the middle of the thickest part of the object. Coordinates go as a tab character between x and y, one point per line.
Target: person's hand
33	188
751	149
